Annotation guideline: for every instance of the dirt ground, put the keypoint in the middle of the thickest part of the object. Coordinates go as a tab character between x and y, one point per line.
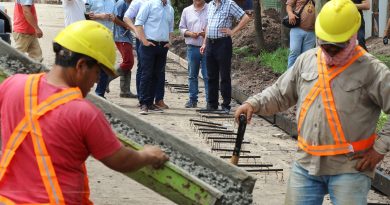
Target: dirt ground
109	187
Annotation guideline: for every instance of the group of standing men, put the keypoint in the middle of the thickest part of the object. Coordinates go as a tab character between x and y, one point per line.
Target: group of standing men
207	29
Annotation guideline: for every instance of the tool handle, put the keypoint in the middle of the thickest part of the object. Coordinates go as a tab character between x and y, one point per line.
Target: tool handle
240	137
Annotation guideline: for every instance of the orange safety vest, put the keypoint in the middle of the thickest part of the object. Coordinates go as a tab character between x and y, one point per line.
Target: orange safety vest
30	125
322	86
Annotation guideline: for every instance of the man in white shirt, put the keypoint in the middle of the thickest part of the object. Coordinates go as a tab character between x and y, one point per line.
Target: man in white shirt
73	10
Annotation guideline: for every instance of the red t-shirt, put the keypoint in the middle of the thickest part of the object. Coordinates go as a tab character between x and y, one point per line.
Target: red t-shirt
20	23
71	133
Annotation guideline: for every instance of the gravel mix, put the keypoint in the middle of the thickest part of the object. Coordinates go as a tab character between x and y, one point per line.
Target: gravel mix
233	192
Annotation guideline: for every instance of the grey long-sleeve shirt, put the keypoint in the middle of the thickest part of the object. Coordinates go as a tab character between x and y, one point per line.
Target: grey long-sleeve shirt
360	93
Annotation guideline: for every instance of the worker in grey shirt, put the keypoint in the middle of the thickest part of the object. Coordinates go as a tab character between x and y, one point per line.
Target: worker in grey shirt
192	26
339	90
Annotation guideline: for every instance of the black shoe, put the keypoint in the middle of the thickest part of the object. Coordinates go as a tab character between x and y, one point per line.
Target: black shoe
209	107
191	104
144	110
226	109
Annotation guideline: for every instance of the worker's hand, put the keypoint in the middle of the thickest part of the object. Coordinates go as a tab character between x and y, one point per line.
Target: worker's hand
155	156
167	45
226	31
245	109
147	43
292	18
38	32
368	160
202	49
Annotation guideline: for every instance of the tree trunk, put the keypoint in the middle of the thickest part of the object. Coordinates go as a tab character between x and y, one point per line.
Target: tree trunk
284	31
258	25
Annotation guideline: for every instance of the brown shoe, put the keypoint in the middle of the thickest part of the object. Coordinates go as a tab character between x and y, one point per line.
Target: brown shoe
161	104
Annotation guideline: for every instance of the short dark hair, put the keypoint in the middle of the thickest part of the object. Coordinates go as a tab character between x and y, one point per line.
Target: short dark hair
67	58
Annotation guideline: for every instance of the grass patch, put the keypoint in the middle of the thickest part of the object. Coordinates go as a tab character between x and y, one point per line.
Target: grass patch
384	58
276	60
244	51
251	59
382	120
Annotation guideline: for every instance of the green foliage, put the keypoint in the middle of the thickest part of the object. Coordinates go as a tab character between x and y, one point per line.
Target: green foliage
242	51
176	32
384	58
382	120
251	59
276	60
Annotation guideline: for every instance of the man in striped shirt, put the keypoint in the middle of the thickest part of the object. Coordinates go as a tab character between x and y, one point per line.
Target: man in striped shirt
217	47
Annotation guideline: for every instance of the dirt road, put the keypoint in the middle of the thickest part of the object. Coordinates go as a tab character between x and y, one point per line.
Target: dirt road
109	187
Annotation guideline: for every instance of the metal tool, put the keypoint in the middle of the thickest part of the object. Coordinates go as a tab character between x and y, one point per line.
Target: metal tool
240	137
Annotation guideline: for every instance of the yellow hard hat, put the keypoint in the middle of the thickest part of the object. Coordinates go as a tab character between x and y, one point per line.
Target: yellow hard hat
338	21
91	39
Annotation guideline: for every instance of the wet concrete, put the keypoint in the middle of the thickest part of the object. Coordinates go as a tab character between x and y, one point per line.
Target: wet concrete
233	192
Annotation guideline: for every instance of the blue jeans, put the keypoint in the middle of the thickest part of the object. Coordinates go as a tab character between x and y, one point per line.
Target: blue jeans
102	84
153	60
195	60
300	41
344	189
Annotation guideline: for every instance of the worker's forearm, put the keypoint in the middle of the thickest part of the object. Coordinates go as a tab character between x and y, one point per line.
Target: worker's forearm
127	160
130	24
244	20
29	17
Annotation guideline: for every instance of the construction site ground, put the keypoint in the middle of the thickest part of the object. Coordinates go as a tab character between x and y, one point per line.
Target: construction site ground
110	187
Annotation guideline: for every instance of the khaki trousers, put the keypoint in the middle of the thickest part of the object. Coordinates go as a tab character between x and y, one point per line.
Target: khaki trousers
27	43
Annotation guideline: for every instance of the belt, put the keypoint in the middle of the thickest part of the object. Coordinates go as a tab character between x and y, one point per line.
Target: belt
216	40
190	45
158	43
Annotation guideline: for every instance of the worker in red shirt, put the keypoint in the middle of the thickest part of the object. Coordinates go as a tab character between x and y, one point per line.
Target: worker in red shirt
26	29
48	129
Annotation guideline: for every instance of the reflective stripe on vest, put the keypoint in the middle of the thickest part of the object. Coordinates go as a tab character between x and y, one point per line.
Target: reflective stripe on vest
322	86
30	125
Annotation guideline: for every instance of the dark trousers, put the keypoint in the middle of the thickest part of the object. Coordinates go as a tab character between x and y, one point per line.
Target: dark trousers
153	60
139	70
361	36
218	59
102	84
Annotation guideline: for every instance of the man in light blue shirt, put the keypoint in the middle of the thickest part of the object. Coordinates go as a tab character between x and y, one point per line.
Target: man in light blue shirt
102	11
154	23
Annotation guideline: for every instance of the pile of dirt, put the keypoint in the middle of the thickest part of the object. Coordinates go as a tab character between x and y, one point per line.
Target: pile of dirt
271	32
